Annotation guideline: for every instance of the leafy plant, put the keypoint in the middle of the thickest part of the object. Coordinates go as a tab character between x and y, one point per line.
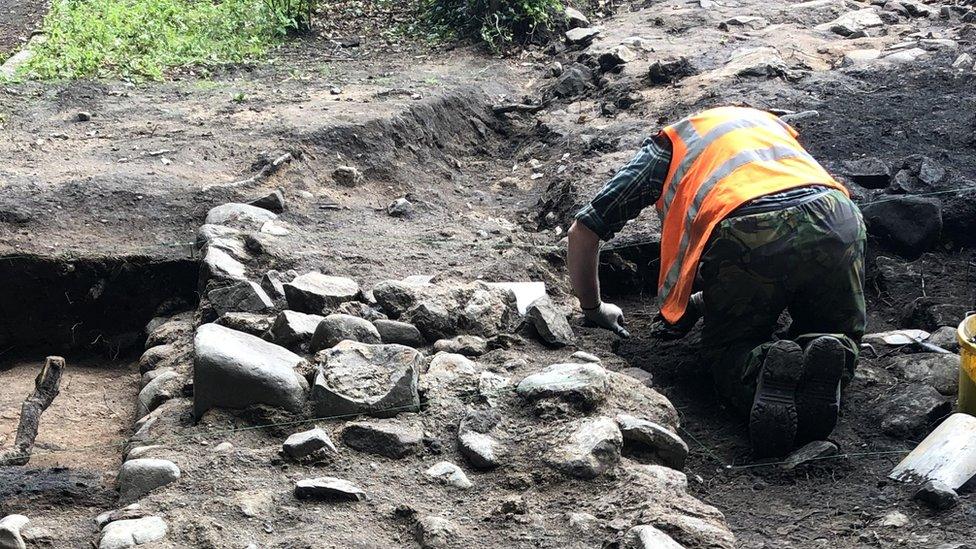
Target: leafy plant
498	23
141	39
292	15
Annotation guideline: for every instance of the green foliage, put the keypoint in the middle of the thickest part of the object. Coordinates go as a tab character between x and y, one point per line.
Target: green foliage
141	39
292	15
498	23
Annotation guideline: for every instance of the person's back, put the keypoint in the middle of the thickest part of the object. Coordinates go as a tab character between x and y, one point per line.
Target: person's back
754	222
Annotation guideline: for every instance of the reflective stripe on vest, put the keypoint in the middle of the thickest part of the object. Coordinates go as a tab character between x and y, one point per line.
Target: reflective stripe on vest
762	158
697	144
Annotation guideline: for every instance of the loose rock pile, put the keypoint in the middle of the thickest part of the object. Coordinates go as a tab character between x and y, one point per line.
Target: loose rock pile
395	372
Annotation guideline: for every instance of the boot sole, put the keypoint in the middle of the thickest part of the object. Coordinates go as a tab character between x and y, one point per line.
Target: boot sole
818	396
773	419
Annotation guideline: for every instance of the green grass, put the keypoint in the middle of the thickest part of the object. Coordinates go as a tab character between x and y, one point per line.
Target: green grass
142	39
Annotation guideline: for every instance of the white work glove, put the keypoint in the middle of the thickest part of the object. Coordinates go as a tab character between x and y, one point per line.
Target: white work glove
608	316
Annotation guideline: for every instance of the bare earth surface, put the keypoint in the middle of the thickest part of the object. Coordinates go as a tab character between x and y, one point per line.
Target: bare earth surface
492	196
18	19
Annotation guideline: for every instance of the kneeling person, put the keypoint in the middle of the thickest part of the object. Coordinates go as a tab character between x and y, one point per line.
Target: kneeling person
754	222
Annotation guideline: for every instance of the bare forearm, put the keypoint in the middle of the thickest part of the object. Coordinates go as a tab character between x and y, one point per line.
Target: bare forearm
583	264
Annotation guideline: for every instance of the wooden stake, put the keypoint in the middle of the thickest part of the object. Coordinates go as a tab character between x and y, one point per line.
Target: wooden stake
47	385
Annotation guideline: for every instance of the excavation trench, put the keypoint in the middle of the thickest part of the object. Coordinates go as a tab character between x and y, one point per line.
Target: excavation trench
92	311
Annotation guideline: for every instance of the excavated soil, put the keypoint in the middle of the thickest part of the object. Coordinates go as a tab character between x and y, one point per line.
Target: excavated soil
88	424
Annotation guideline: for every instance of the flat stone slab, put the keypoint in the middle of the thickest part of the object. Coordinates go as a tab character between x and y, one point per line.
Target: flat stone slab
232	369
316	293
387	438
122	534
308	443
234	213
357	378
650	437
583	383
328	488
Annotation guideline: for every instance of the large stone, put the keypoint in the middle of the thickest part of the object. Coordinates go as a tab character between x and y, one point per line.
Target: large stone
329	489
273	282
615	56
395	297
670	70
939	370
10	532
293	330
574	81
466	345
347	176
647	437
339	327
389	438
475	442
255	324
575	18
163	387
170	331
450	474
861	56
946	337
433	320
400	333
236	214
244	296
648	537
762	61
316	293
482	451
870	172
910	411
581	36
446	370
550	323
593	448
219	265
122	534
907	55
937	495
436	533
585	384
273	202
236	370
489	311
810	453
853	22
357	378
311	443
909	225
138	477
155	356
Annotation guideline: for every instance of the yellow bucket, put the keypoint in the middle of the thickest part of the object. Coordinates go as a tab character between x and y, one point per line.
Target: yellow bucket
967	371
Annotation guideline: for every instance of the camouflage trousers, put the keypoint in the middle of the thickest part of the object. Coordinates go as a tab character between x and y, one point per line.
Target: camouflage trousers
807	259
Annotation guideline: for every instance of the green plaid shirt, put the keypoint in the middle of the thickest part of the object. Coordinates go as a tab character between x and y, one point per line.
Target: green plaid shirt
640	183
635	187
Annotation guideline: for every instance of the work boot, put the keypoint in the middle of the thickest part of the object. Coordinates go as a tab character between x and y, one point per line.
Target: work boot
773	419
818	395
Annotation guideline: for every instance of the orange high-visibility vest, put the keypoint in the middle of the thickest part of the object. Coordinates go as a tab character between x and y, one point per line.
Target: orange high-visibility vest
722	158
